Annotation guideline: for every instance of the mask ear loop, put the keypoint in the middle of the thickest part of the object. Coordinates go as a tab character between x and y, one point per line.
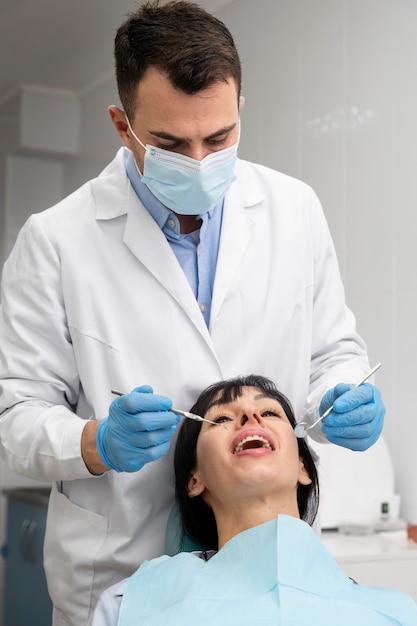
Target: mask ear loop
133	132
138	140
238	137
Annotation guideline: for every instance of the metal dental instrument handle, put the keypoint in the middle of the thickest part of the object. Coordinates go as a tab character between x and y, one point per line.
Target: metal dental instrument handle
197	418
301	429
191	416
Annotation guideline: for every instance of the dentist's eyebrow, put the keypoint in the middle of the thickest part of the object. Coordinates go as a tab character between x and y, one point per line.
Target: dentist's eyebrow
222	131
163	135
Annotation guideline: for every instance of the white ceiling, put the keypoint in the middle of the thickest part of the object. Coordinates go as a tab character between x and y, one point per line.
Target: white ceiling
66	44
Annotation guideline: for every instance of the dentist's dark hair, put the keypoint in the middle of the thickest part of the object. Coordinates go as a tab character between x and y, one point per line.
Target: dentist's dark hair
181	39
197	518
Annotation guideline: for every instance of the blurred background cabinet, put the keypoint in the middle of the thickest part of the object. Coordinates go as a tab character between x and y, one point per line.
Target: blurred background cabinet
382	559
26	599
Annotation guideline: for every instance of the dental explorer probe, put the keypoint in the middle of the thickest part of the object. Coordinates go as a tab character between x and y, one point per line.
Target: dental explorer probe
301	429
191	416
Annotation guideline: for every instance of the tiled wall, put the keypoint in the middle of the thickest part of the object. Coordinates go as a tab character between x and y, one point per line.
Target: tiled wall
331	98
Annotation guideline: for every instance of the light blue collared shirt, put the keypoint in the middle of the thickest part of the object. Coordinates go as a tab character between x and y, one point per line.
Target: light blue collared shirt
196	252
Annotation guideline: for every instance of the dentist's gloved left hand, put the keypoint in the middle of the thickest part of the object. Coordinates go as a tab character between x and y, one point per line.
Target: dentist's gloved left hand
357	417
138	430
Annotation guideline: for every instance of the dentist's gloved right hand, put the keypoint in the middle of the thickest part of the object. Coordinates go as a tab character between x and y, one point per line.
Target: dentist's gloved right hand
138	430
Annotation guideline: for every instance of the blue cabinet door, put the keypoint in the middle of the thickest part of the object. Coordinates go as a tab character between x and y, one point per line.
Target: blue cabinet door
26	599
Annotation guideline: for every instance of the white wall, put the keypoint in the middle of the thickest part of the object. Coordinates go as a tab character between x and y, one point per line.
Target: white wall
331	97
99	140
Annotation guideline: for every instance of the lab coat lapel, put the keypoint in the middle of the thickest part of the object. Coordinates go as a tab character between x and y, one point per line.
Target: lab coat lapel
148	243
237	228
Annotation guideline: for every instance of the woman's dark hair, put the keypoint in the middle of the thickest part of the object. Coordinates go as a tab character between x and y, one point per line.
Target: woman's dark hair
180	38
197	517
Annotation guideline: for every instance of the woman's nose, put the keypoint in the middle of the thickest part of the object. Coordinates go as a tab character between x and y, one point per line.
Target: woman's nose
248	416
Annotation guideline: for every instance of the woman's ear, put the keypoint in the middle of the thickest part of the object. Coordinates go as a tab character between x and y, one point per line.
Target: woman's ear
303	475
195	485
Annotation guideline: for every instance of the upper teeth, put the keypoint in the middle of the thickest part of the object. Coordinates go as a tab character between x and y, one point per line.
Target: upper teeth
241	443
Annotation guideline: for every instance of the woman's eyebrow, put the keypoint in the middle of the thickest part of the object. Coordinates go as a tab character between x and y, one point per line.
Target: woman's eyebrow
218	402
266	396
221	402
261	396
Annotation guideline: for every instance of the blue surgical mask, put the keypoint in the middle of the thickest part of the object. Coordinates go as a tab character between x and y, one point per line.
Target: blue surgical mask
185	185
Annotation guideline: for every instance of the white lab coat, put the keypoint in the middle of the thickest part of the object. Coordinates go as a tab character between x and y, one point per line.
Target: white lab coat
94	299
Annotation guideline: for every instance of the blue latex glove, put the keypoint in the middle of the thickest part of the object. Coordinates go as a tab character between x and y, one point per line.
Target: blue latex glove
357	417
138	430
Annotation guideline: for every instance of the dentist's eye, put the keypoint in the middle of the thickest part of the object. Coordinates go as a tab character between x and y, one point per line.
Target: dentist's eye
217	143
168	146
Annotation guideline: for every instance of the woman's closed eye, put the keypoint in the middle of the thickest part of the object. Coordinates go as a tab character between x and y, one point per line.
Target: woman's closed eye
221	419
272	413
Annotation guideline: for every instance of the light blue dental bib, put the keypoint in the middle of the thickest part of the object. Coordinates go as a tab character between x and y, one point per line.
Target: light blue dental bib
277	573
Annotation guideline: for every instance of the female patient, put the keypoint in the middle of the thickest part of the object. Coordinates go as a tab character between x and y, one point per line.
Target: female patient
247	490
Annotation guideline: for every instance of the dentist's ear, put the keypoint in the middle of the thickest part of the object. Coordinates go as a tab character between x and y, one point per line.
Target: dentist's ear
118	117
241	103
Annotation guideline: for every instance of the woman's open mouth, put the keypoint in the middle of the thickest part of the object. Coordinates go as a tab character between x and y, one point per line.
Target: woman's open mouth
252	441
